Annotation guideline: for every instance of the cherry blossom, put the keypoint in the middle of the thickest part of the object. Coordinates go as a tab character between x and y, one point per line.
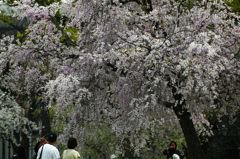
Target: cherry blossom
130	64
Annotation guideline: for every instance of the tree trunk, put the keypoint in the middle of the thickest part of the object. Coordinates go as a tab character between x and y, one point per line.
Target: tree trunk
129	152
195	150
45	122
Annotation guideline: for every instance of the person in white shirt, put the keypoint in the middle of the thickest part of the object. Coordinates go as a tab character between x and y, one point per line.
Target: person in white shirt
113	156
71	153
175	156
48	150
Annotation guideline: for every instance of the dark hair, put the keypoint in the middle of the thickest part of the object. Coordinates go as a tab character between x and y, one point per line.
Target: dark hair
174	143
21	151
72	143
52	137
171	151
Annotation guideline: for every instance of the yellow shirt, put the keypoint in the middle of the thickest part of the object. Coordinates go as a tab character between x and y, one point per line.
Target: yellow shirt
70	154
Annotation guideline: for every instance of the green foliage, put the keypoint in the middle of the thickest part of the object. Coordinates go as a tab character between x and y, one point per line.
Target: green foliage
73	34
59	19
70	34
102	142
144	7
10	2
6	19
235	4
21	36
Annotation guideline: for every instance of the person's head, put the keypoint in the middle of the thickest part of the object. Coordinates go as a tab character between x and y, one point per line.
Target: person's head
52	138
72	143
173	144
41	141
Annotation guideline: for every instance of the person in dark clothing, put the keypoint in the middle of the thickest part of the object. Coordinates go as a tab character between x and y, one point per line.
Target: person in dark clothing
40	142
172	149
20	153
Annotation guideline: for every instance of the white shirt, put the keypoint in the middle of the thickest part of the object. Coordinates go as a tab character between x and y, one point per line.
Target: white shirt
49	152
175	156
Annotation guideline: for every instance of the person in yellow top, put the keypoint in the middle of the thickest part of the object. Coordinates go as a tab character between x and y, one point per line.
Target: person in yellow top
71	153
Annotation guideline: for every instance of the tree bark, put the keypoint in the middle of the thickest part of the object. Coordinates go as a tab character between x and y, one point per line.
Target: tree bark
45	122
129	152
195	150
